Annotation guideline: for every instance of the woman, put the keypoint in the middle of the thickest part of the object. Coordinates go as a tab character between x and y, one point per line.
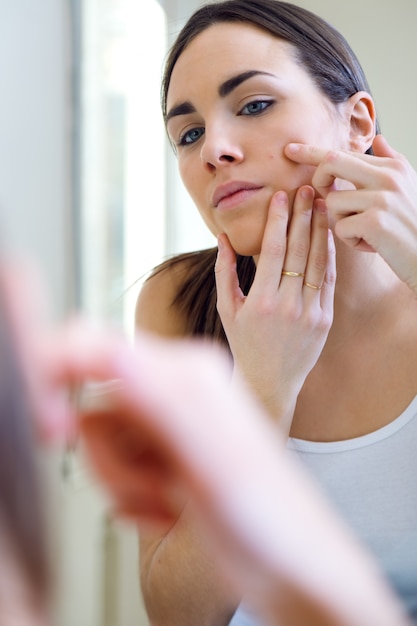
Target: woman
275	131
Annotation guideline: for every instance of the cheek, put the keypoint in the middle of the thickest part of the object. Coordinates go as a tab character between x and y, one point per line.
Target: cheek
191	184
195	187
303	175
194	181
185	172
286	175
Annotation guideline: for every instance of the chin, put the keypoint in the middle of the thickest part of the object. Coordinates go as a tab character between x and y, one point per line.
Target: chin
246	236
246	248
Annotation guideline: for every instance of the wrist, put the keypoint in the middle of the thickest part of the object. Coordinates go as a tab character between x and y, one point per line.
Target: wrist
278	401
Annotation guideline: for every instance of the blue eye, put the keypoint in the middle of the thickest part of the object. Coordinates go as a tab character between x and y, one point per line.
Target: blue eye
255	107
191	136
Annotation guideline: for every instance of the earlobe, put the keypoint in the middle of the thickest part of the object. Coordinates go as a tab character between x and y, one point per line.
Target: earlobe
362	121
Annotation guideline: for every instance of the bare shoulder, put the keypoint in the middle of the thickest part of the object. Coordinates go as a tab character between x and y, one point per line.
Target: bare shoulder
155	306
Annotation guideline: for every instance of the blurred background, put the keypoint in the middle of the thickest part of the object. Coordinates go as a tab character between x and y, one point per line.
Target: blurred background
88	188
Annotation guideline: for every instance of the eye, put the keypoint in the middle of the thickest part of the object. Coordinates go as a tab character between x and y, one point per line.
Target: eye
191	136
256	107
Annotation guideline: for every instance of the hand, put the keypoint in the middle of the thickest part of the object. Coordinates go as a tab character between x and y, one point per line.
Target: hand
277	332
25	309
380	212
173	400
251	500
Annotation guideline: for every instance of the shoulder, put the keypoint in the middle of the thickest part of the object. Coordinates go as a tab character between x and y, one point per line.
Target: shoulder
157	307
155	310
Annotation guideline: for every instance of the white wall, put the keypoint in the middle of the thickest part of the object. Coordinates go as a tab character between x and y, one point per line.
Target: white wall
35	136
36	221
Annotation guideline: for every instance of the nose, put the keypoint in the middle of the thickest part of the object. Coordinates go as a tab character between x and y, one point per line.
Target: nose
220	148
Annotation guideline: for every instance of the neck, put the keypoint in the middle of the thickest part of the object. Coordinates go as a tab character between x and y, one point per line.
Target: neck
363	276
367	292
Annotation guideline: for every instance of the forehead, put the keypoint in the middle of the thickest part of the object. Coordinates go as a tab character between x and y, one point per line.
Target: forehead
224	50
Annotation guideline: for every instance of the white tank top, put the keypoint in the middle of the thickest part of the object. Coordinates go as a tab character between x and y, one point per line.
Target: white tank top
372	482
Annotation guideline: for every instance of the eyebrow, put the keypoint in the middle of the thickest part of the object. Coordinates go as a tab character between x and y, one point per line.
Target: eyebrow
181	109
232	83
224	90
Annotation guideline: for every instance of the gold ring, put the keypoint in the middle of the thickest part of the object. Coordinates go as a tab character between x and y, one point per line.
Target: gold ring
312	286
292	274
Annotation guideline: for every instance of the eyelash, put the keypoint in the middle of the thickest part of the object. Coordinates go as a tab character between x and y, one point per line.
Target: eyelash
266	104
183	139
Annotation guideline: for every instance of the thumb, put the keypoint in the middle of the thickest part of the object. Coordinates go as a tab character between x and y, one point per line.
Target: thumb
381	148
227	281
327	294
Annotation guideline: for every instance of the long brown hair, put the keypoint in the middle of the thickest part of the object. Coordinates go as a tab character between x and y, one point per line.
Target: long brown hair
327	57
21	505
196	297
321	50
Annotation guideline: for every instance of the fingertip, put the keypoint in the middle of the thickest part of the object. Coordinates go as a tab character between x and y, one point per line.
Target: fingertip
292	148
221	249
330	241
330	277
381	147
223	242
225	253
280	198
307	192
220	241
223	246
320	205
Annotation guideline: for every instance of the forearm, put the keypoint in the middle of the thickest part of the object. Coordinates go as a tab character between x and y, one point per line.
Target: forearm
181	584
360	600
293	609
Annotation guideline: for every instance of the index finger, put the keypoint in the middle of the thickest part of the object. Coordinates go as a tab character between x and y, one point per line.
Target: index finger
354	167
305	154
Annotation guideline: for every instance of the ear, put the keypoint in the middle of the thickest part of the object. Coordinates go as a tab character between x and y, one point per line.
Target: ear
362	121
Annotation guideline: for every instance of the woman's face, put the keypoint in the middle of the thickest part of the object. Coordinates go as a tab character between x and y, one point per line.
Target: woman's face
237	97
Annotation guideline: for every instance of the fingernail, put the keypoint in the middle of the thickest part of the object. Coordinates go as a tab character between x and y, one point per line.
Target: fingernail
220	243
293	147
281	197
320	205
306	192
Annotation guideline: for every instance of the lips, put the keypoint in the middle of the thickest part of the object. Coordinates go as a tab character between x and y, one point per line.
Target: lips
229	189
